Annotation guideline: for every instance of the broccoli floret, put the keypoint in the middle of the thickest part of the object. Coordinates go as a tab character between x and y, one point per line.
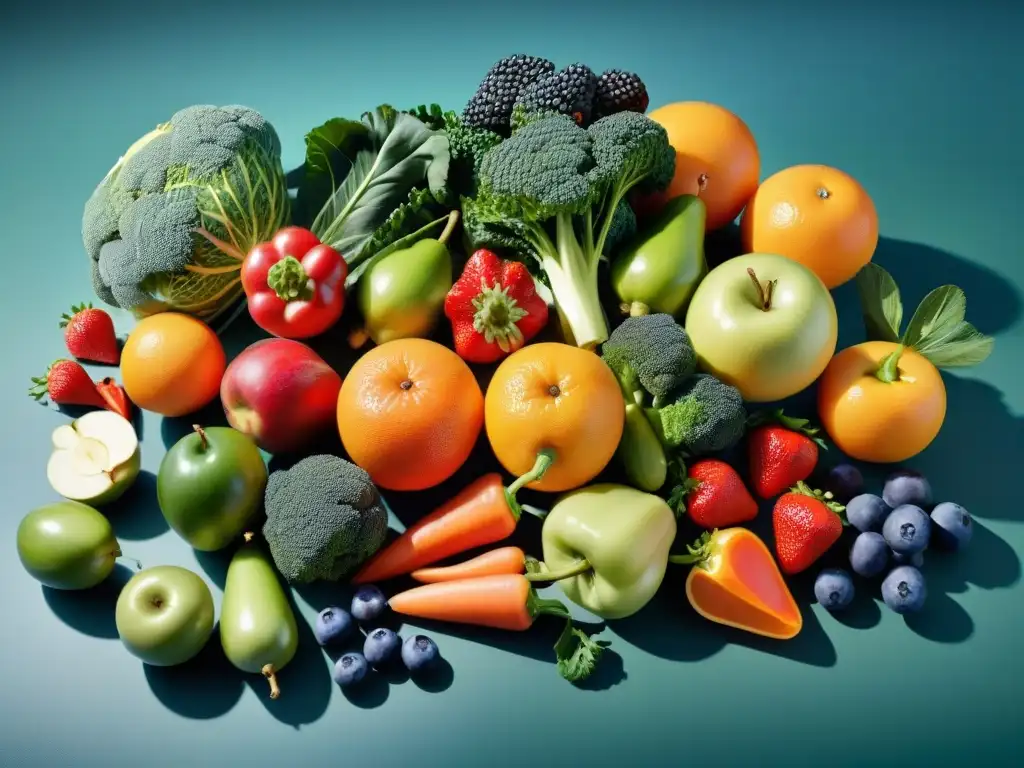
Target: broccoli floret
703	416
325	518
168	226
652	355
552	192
468	144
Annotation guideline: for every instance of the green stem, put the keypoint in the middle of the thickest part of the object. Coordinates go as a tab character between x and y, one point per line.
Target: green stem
580	566
889	370
449	228
539	606
544	461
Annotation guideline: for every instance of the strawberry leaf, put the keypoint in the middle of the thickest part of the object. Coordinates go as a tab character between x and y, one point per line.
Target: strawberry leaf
778	418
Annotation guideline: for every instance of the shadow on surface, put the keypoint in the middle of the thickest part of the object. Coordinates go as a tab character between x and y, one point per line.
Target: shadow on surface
942	619
863	613
173	429
202	688
988	562
215	564
305	681
437	679
90	611
136	516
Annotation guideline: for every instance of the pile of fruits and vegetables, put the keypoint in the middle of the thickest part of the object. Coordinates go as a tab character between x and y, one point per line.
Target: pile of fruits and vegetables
528	274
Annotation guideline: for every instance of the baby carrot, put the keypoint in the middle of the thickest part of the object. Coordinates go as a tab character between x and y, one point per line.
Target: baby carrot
501	601
497	561
482	513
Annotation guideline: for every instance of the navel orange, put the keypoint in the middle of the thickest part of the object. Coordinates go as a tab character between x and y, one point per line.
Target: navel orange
716	157
814	214
172	364
558	398
409	413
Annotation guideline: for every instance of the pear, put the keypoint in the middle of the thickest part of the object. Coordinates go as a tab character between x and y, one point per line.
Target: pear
402	294
258	630
67	545
95	458
660	270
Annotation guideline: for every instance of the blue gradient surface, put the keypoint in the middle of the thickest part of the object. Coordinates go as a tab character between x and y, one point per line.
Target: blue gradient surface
920	103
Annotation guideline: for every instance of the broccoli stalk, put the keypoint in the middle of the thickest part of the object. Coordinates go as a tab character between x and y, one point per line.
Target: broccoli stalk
553	191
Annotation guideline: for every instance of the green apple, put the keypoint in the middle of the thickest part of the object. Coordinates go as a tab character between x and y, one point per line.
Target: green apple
763	323
209	486
95	458
67	545
164	615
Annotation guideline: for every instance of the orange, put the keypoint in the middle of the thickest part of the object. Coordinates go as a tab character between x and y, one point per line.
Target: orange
716	157
881	421
172	364
409	413
554	397
816	215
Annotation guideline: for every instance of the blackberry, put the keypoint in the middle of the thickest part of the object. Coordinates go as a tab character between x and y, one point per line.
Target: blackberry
620	91
491	105
569	91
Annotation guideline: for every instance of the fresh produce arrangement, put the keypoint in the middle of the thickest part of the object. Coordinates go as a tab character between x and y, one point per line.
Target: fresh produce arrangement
525	276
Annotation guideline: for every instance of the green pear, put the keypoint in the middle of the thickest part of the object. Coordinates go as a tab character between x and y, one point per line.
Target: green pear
660	270
401	295
210	485
258	630
67	545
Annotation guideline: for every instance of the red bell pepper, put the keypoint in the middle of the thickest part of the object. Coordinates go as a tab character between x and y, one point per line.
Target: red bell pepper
494	308
295	284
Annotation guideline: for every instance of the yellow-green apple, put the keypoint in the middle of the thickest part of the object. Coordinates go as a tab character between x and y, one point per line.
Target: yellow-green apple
763	323
281	393
164	615
67	545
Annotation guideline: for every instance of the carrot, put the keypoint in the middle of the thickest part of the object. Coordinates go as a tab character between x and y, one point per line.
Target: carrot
504	560
501	601
482	513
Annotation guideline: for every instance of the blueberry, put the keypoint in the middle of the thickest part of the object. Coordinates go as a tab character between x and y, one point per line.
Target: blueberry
867	512
833	589
951	526
916	559
904	590
906	529
381	646
907	487
419	652
845	481
350	669
368	603
332	625
869	554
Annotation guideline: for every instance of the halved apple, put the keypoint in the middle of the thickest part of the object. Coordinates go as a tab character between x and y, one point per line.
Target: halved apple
95	458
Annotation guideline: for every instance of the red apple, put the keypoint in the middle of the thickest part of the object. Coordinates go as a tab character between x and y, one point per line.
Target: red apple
281	393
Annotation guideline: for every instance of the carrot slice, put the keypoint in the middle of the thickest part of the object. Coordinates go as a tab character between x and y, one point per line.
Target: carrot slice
497	561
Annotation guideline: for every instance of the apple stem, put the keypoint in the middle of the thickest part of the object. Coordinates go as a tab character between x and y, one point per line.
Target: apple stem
271	675
202	435
764	292
118	555
702	183
889	370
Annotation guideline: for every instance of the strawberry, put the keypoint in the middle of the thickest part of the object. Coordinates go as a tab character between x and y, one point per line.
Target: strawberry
67	383
115	397
807	523
714	496
89	335
783	451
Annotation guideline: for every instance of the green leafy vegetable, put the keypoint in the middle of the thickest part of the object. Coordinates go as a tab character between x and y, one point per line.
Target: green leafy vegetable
577	653
938	329
329	148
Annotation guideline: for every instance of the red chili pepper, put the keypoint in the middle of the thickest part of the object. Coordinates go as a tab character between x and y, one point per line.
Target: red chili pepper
494	308
295	284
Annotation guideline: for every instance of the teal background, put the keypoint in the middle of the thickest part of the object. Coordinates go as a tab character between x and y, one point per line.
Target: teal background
919	102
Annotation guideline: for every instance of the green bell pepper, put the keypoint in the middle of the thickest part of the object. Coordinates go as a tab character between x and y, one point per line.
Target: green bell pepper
607	546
